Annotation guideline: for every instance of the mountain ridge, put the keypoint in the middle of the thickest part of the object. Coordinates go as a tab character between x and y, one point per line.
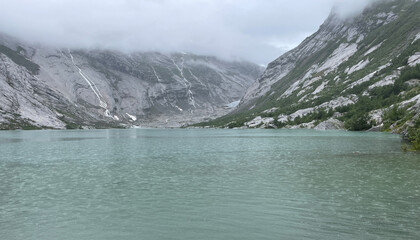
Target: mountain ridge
357	71
45	87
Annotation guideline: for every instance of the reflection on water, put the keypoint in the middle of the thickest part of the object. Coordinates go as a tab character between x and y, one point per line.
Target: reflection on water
207	184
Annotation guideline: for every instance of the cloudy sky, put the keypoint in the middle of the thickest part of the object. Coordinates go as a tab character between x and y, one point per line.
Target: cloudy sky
255	30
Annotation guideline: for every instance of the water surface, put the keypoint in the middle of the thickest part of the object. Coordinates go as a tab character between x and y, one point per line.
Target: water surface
207	184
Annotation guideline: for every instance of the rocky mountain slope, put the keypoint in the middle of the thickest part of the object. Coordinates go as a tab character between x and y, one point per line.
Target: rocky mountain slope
357	73
44	87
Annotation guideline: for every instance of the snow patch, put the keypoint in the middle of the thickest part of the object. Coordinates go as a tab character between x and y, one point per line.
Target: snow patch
180	109
133	118
233	104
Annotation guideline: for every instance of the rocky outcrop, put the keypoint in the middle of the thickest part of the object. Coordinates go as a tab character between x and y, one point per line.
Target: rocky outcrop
351	70
330	124
261	122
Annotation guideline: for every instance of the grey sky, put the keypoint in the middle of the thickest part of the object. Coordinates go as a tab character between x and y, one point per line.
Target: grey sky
256	30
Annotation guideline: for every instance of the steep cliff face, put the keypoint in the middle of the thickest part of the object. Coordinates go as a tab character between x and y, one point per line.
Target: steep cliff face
356	71
48	87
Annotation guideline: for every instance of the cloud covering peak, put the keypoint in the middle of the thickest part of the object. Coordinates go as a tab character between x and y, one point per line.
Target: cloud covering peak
255	30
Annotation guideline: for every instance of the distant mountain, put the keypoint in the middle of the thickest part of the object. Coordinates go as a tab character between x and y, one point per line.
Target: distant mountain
45	87
357	73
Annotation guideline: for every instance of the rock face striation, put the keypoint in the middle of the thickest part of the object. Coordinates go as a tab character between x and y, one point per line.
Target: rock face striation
349	70
44	87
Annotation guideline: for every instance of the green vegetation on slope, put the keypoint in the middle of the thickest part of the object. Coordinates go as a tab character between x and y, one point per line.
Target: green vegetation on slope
413	136
393	45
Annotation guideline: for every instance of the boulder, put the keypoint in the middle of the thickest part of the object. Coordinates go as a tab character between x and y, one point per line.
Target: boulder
330	124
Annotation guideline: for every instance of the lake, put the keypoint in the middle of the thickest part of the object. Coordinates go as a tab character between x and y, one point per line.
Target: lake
207	184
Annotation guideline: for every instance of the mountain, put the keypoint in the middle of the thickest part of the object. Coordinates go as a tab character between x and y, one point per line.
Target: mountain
46	87
354	73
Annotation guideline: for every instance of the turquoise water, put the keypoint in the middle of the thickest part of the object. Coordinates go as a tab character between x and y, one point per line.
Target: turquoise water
207	184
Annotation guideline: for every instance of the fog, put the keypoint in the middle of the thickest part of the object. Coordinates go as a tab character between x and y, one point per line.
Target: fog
254	30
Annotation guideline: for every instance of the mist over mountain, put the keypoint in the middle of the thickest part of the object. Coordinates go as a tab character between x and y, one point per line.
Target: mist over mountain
90	68
257	31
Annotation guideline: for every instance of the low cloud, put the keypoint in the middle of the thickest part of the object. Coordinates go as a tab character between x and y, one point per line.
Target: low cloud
348	9
254	30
